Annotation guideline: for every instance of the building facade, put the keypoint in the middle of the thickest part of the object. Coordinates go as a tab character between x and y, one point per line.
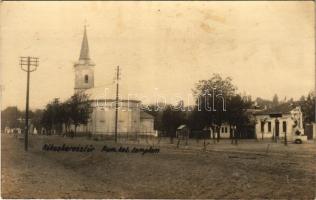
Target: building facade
224	131
284	120
103	101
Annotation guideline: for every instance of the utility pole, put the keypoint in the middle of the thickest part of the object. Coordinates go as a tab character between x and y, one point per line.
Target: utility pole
117	99
32	64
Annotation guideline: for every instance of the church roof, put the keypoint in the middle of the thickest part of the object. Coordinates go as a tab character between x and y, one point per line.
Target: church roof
84	52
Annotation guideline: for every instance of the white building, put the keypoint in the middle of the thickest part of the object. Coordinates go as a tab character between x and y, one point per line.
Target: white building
278	121
224	131
130	117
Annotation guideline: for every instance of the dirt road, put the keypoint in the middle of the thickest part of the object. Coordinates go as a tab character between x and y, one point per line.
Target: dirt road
223	171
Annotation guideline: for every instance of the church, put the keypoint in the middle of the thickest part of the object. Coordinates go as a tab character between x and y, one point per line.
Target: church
131	119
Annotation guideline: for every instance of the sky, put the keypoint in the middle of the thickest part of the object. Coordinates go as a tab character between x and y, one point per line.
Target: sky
163	48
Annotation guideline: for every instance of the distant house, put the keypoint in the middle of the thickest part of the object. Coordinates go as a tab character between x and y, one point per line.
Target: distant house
278	121
182	131
13	130
224	131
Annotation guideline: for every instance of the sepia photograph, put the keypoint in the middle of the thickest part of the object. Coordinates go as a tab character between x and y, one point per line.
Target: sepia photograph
158	99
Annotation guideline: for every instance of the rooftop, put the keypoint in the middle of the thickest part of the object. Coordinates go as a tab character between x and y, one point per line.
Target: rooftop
144	115
284	108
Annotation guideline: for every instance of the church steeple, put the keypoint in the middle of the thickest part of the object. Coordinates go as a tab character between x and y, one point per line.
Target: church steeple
84	52
84	68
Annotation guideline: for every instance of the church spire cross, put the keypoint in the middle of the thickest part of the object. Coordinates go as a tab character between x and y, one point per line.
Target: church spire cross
84	53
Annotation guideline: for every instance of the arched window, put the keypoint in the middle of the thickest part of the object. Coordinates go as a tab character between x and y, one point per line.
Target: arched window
86	78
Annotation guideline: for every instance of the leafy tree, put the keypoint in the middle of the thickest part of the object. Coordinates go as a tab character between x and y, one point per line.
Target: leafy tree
291	100
10	117
78	109
65	116
212	96
308	108
275	100
198	120
36	117
75	110
172	118
236	113
51	118
217	102
263	103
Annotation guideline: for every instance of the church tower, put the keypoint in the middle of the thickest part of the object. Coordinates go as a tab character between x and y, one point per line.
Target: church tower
84	68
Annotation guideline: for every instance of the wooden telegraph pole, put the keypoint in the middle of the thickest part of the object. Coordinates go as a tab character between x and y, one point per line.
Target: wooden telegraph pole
116	100
32	64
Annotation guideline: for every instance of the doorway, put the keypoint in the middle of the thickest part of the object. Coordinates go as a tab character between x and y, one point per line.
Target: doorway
277	128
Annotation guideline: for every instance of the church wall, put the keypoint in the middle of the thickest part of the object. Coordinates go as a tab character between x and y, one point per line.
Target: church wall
103	118
129	118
